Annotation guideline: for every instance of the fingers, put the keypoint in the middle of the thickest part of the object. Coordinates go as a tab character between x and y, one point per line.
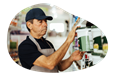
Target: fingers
77	27
81	54
76	22
74	29
77	52
78	19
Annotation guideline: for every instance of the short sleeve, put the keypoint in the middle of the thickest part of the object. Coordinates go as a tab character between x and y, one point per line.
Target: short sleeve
28	53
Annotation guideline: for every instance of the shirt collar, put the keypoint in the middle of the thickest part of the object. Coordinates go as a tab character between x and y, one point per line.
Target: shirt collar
40	39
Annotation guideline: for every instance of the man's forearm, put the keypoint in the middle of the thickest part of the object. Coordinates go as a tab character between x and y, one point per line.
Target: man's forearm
64	64
57	56
51	61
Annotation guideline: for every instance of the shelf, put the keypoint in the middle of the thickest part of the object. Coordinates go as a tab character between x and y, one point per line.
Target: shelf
11	27
13	55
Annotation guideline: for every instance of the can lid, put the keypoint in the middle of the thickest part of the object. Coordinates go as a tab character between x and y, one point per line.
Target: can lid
94	27
90	51
88	26
97	54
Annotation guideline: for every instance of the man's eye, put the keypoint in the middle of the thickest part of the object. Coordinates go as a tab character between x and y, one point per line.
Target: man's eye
40	21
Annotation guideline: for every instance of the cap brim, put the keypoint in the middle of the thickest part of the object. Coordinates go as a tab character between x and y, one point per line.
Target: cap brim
45	17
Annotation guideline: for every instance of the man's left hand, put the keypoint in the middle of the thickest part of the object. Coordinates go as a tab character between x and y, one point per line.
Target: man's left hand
77	55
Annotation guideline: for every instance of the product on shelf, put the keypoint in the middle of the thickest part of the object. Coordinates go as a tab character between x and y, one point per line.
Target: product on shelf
105	48
14	22
96	47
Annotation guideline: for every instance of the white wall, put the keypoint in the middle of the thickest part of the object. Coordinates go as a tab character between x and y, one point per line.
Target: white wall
59	20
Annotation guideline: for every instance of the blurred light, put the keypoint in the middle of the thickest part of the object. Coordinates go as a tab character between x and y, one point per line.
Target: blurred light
58	27
53	11
55	16
51	5
29	7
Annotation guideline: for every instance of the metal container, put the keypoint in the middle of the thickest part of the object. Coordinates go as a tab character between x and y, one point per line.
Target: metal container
97	40
84	38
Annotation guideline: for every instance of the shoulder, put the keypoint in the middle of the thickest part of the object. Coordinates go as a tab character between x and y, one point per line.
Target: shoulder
26	44
26	41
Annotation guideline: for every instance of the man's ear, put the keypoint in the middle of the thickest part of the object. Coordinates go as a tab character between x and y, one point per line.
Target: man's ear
29	25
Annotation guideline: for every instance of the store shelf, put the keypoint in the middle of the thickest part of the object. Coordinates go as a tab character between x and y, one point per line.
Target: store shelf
11	27
12	55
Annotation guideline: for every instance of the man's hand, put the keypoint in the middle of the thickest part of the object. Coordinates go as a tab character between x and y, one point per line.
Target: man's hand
71	34
77	55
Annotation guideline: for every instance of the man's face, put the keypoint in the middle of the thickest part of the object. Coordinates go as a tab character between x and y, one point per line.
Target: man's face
39	26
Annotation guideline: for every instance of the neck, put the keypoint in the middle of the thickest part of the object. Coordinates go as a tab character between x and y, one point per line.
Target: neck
36	35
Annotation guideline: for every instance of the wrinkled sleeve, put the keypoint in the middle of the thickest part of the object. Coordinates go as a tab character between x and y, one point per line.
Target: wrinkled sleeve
28	53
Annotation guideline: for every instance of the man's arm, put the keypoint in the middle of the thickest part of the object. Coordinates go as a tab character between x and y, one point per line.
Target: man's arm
51	61
64	64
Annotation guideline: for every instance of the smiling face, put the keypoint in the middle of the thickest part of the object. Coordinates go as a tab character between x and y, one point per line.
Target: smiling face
38	28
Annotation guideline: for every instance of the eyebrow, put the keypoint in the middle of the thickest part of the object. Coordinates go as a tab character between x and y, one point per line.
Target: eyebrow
43	19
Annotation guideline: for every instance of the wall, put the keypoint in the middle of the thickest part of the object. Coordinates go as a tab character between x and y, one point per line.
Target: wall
59	21
61	16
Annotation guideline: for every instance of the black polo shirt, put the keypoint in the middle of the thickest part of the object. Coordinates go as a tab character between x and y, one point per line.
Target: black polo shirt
28	51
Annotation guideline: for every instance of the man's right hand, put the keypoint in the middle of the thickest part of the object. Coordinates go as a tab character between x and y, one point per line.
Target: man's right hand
71	34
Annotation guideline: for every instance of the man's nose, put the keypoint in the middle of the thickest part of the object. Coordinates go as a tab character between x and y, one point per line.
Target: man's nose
45	23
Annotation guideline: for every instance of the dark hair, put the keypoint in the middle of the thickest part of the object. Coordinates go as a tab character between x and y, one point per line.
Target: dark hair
31	21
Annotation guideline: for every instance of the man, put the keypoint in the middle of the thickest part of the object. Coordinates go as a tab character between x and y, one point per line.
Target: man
37	53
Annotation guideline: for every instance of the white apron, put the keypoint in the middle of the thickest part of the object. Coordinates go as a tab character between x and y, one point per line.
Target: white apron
45	52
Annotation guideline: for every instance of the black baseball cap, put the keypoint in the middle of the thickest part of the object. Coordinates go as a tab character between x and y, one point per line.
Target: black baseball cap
37	13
